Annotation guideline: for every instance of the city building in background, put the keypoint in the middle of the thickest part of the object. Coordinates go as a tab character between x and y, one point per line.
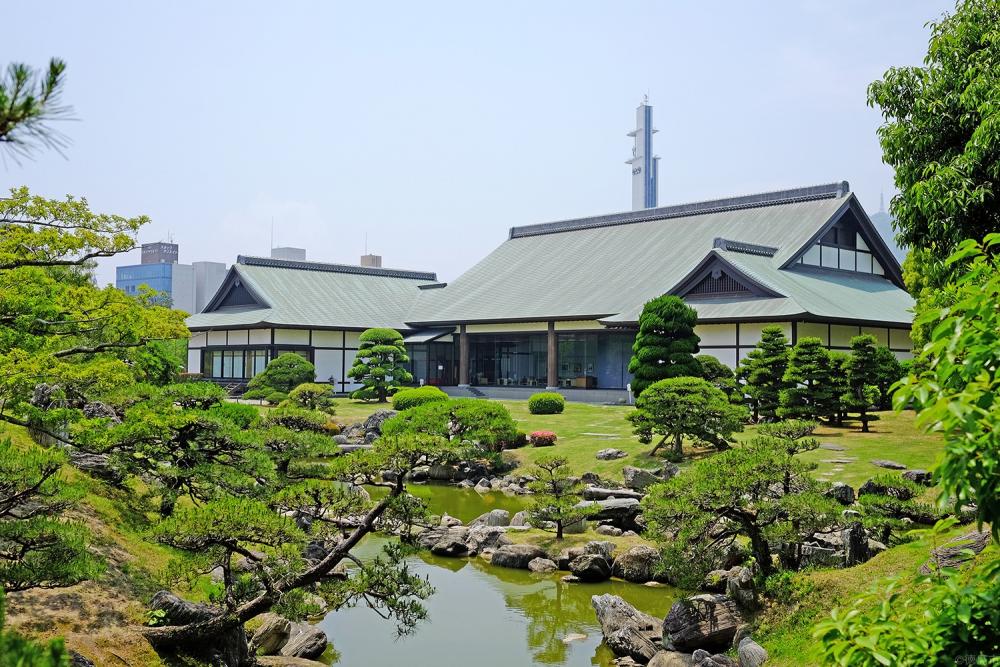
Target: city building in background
645	165
289	253
186	287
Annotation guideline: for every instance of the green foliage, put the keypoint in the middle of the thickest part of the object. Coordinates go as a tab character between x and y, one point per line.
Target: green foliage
957	394
29	101
200	395
276	397
486	423
810	391
257	394
297	419
284	373
556	495
161	361
945	618
666	343
862	379
743	486
686	406
37	546
380	365
404	399
244	416
313	396
546	403
18	651
763	372
719	375
888	371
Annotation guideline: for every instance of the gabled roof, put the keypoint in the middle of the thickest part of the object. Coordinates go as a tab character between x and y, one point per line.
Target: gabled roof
302	294
607	267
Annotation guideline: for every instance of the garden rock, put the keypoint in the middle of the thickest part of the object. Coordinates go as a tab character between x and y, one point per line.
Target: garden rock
286	661
741	588
873	487
671	659
600	548
602	493
77	660
450	546
610	454
271	635
374	422
450	521
638	479
632	643
637	564
620	512
520	519
575	527
591	568
481	539
891	465
703	658
669	470
918	476
842	493
855	544
955	553
517	556
492	518
305	641
541	565
751	653
614	613
610	531
815	556
701	621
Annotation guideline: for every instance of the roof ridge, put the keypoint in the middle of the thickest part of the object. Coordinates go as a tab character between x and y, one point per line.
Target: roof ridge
303	265
744	247
774	198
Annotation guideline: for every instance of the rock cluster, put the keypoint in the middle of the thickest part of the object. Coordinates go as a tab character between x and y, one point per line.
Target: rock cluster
279	636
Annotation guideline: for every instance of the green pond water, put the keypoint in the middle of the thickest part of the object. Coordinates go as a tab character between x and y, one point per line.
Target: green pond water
484	615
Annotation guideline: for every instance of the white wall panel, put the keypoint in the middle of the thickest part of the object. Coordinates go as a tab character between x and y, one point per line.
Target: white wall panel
880	333
811	256
327	338
903	356
291	336
716	334
899	339
198	339
260	336
813	330
216	337
352	338
829	257
329	364
576	325
349	361
239	337
841	335
725	355
194	361
750	331
508	327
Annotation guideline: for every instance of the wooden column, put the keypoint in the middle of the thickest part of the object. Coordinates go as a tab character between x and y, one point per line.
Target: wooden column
552	359
463	357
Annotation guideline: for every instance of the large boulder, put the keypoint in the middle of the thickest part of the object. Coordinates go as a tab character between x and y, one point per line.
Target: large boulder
450	546
374	422
873	487
480	539
707	621
918	476
637	564
286	661
272	634
575	527
610	454
614	613
520	519
517	556
703	658
77	660
619	512
741	588
599	547
541	565
957	552
751	653
591	568
305	641
492	518
633	643
601	493
671	659
431	537
638	479
855	542
177	611
842	493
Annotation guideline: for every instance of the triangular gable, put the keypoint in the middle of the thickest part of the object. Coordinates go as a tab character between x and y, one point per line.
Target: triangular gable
853	215
235	292
714	277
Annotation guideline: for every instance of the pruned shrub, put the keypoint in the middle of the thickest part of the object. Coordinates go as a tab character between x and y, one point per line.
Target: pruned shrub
313	396
283	373
486	423
256	394
240	414
276	397
404	399
298	419
546	403
542	438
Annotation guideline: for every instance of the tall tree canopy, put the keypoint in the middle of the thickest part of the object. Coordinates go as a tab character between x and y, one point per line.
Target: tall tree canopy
763	371
380	365
666	343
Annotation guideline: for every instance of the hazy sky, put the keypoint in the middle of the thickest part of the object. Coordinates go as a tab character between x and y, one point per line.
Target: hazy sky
433	127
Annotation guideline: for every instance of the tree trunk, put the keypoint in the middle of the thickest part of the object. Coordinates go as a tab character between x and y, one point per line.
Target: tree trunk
559	529
760	548
678	445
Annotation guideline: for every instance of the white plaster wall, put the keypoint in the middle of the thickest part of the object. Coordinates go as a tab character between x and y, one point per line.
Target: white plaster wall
217	338
716	334
813	330
260	336
880	333
727	356
507	327
198	339
239	337
328	364
194	361
291	336
750	331
327	338
900	339
841	335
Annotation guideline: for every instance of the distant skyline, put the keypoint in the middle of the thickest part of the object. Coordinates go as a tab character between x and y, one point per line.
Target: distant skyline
434	127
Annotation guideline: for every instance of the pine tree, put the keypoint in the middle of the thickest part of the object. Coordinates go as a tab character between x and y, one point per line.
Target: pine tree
890	371
862	379
556	495
839	370
380	365
666	343
765	375
810	392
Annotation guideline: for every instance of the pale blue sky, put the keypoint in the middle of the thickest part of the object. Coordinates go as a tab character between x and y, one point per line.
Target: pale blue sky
435	126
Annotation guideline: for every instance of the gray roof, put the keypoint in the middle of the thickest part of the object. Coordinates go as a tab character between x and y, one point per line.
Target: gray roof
298	294
607	267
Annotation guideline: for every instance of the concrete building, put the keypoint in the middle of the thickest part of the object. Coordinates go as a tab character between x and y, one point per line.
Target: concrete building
186	287
557	304
645	165
289	253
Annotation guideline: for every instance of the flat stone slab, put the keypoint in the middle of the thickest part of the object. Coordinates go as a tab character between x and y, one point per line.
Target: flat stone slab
832	448
839	461
604	435
885	463
347	449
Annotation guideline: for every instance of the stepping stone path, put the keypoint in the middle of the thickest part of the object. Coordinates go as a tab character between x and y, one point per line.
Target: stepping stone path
840	461
832	448
891	465
604	435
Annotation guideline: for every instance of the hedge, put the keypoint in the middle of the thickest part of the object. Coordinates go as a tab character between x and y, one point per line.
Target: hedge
546	403
404	399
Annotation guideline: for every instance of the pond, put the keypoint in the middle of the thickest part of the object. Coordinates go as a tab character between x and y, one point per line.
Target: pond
493	616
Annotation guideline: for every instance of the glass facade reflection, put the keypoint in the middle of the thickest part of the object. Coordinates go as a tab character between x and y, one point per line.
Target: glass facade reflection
508	359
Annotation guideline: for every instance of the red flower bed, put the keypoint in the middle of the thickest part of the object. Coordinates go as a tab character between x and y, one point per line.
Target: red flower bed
542	438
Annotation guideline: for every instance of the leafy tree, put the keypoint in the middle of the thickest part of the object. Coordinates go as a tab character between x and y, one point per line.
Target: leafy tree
283	373
313	396
719	375
38	548
862	379
556	495
889	370
666	343
840	371
380	365
793	436
277	572
764	372
182	447
29	101
679	407
810	392
736	494
486	423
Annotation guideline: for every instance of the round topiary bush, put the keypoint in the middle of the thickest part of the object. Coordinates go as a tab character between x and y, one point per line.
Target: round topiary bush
276	397
546	403
404	399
